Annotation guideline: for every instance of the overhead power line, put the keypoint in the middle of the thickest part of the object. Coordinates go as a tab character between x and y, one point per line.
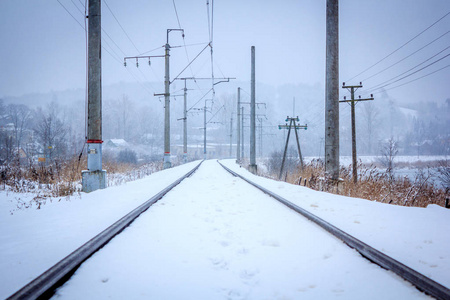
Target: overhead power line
415	79
406	76
71	15
106	3
176	13
377	86
407	56
416	36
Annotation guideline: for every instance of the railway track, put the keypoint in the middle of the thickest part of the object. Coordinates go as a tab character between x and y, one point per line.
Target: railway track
45	285
420	281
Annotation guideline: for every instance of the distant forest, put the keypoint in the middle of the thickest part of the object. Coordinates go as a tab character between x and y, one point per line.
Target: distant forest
52	126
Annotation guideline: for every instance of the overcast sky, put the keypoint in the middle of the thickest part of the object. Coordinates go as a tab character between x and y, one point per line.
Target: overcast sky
43	46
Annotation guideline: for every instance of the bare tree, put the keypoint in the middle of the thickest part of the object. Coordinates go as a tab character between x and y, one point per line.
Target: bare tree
389	152
20	116
51	132
444	173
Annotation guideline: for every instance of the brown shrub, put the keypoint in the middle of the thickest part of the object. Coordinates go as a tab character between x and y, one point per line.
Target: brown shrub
373	184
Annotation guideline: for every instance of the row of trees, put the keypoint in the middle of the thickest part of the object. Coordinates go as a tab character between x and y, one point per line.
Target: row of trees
57	132
26	133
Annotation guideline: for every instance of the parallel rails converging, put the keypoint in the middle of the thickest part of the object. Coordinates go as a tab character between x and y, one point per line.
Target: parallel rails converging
420	281
45	285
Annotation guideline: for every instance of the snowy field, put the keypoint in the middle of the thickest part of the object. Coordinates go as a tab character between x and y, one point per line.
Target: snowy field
217	238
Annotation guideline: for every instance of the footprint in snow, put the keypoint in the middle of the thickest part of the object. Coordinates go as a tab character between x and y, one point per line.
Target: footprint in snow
271	243
219	263
224	243
248	274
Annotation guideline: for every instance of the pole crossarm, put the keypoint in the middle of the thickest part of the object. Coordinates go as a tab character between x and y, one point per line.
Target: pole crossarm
263	103
357	100
225	80
297	126
286	126
140	57
169	30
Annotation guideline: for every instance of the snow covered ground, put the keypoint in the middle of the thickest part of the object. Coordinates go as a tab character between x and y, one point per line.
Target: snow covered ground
218	238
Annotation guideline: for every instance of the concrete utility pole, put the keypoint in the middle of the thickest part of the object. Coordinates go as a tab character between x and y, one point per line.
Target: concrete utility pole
167	163
332	91
252	166
231	135
185	111
94	178
204	128
242	130
204	131
353	102
289	127
238	126
185	124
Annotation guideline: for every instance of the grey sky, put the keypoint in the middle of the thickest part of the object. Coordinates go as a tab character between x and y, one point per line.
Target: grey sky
43	47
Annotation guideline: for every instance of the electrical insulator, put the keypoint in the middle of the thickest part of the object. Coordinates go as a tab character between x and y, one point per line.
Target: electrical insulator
124	63
149	63
137	65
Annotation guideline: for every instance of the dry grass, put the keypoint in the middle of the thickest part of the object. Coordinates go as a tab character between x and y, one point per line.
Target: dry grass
373	184
62	179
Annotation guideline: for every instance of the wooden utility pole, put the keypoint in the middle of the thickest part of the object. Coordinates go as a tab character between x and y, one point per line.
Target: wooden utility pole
94	178
289	127
353	102
332	91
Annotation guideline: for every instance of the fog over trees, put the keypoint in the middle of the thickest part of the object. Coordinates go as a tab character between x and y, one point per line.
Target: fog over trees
53	125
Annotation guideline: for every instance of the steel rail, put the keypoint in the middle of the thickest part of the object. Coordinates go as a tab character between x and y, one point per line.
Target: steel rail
420	281
44	286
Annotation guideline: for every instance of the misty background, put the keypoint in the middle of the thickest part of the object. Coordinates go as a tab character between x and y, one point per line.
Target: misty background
397	49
